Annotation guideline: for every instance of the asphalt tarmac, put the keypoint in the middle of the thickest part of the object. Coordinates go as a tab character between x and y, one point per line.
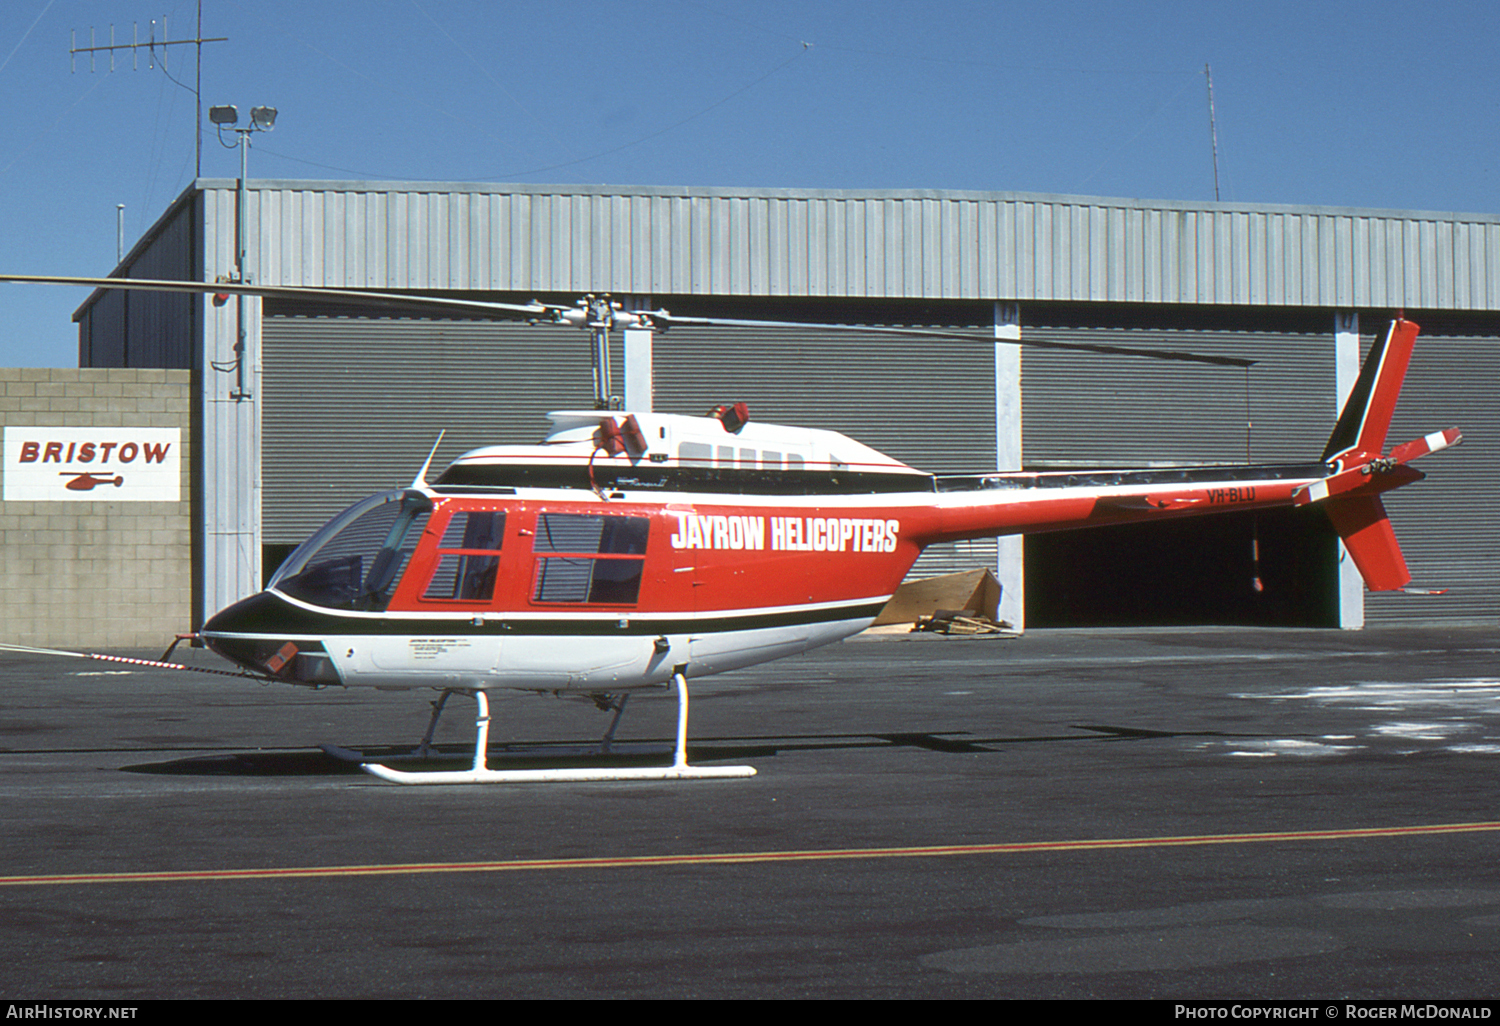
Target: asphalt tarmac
1305	815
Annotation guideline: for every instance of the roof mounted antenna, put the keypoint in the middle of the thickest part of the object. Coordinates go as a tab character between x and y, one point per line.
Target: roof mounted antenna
1213	127
135	46
420	481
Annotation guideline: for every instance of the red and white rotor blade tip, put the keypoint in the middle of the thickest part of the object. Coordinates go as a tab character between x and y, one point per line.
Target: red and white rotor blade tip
1426	444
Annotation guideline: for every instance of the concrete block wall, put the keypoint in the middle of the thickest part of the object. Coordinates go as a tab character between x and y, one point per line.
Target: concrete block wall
96	574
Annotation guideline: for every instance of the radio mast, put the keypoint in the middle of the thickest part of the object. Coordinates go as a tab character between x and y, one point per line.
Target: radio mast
1213	128
135	45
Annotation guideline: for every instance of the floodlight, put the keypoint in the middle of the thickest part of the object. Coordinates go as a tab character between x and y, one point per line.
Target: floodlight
224	115
262	118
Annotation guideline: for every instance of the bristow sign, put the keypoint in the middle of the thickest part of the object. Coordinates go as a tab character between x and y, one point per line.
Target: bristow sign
115	464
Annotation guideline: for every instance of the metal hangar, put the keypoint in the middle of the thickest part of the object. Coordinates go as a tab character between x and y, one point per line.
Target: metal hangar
301	407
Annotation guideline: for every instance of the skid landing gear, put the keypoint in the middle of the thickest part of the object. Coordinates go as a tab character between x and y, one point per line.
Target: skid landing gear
482	774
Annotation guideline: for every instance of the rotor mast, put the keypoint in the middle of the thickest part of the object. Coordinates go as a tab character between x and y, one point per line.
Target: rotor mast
598	314
601	312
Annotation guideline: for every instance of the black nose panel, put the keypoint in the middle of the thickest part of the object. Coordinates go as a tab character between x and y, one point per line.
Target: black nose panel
254	633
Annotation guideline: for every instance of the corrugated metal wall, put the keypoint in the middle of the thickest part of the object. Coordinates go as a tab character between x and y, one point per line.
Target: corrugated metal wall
927	403
1083	409
1010	246
147	329
1446	524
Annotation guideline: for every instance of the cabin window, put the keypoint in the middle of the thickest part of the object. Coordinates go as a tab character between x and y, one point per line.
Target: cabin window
770	460
695	454
468	557
355	560
589	558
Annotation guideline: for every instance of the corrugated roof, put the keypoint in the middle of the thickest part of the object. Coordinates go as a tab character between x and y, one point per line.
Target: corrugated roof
843	243
838	243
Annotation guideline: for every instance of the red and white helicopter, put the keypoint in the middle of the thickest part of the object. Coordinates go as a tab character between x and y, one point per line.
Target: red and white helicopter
634	550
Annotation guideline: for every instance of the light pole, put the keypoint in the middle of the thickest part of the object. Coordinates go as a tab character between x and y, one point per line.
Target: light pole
262	119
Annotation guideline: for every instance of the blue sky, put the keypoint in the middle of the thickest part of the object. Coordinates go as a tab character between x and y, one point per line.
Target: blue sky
1324	102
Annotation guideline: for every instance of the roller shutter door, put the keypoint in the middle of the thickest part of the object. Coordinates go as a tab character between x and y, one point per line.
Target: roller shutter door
1083	409
1446	524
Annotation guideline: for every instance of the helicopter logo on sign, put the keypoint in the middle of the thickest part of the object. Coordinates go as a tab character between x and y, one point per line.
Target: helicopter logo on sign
87	482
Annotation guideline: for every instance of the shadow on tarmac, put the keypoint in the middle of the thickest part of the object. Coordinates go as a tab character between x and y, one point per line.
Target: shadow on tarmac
573	753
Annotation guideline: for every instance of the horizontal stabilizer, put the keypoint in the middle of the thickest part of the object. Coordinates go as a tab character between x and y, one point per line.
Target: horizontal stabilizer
1426	444
1361	476
1362	523
1379	475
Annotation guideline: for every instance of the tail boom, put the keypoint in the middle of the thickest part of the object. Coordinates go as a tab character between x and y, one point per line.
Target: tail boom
1347	482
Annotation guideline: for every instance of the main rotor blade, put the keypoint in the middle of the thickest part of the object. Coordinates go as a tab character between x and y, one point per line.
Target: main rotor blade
666	320
660	318
355	296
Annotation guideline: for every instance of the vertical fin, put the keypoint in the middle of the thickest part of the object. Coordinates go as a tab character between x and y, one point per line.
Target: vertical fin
1366	417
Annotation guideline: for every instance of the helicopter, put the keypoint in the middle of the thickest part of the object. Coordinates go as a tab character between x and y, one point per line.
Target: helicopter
629	551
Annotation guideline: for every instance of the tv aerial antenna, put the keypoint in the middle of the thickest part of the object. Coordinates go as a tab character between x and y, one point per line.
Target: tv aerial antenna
150	45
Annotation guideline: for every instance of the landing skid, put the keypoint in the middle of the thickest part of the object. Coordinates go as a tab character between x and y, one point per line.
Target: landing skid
482	774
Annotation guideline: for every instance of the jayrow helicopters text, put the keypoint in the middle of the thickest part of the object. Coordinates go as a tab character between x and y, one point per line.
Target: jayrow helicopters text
795	534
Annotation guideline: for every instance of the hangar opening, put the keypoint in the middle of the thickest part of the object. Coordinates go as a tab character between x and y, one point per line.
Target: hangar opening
1275	568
